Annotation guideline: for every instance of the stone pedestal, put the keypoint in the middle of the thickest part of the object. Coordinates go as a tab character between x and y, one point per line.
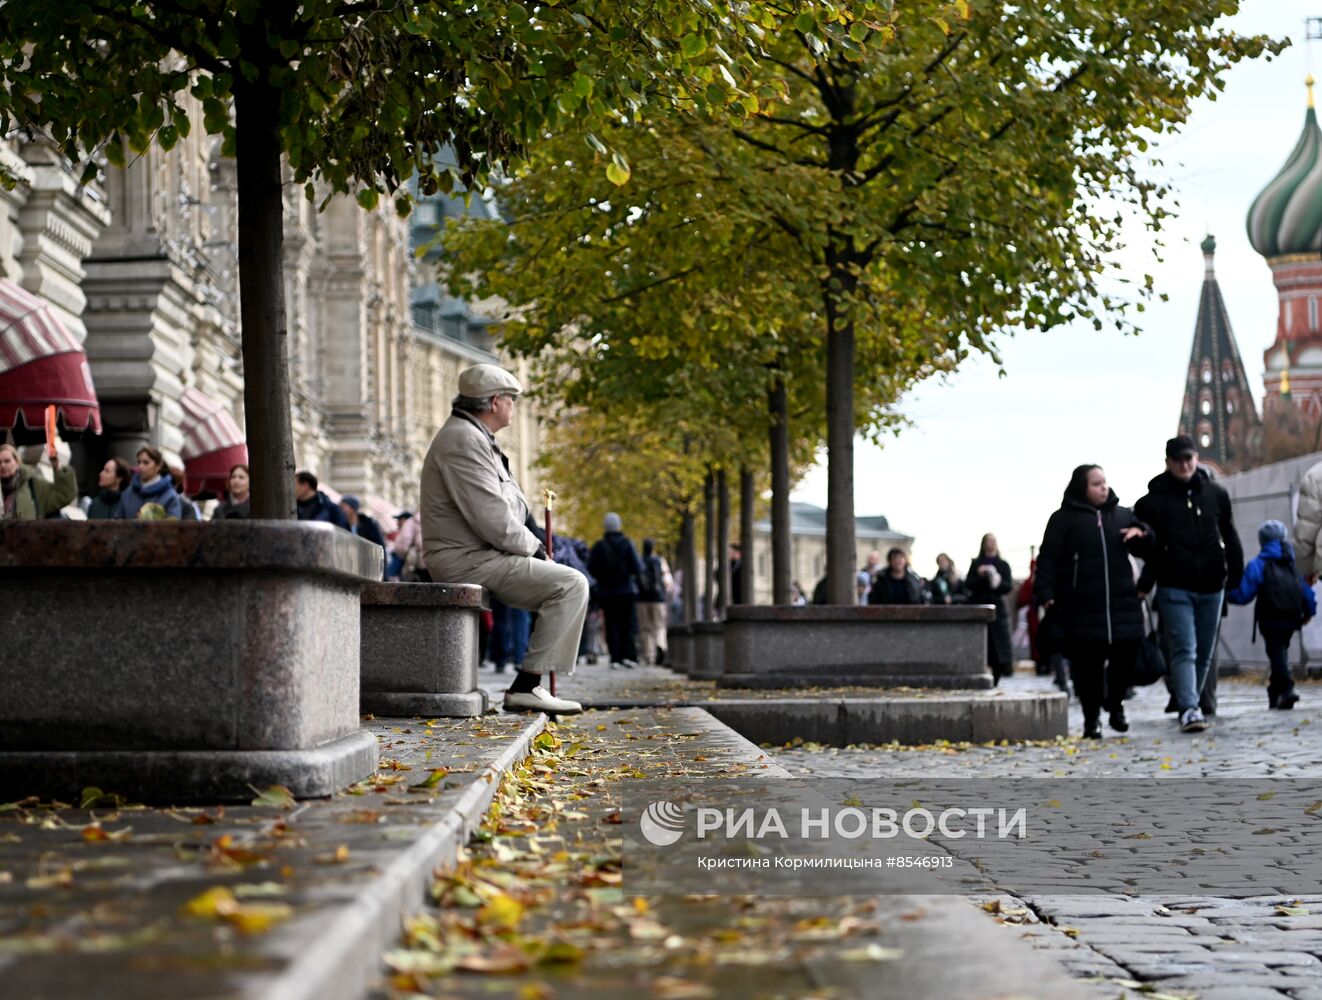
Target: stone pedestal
420	650
708	657
181	661
679	648
844	646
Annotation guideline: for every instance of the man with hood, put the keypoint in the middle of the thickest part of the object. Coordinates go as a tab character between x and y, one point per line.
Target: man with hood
475	529
1197	556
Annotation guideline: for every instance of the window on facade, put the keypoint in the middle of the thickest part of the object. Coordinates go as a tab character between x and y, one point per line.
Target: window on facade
1230	406
1207	407
426	213
1312	312
1205	440
1207	372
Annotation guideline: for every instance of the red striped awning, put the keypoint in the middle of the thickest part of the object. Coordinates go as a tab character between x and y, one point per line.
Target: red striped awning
384	513
41	364
213	443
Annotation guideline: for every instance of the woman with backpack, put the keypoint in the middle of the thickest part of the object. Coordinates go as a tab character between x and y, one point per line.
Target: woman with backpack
1284	603
1085	579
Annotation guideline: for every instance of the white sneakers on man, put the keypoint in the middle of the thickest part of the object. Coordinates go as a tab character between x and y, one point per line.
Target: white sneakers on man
539	700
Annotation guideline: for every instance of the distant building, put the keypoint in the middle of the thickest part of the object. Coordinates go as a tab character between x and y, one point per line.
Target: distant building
1285	226
1218	411
808	547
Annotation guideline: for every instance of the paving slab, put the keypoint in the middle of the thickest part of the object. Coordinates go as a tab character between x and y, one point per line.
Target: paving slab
553	860
292	901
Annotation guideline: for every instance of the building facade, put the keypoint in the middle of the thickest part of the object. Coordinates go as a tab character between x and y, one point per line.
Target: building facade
143	272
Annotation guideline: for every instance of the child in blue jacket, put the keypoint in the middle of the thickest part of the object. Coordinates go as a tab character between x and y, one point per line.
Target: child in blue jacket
1284	603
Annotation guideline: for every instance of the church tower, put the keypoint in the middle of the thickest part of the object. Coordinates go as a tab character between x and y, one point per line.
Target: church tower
1218	411
1285	226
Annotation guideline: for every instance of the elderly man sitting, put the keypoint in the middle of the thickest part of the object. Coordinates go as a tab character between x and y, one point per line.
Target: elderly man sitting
475	530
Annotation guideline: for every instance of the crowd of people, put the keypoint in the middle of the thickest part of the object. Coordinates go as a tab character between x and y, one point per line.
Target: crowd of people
1087	607
152	490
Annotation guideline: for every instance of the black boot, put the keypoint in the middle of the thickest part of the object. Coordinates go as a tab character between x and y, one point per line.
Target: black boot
1092	728
1118	721
1287	700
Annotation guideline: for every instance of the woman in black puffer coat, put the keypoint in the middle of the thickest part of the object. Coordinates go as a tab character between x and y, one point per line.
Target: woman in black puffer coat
1085	577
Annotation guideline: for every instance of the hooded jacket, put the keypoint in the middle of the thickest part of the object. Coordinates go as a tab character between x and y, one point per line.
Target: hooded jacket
1278	551
35	498
1084	568
1197	548
138	496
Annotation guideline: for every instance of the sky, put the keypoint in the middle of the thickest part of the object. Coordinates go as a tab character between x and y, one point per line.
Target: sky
992	453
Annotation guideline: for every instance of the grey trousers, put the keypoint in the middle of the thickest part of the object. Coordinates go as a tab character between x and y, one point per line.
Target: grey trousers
557	593
651	628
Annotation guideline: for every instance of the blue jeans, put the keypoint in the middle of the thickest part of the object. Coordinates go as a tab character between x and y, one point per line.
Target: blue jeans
1190	621
393	565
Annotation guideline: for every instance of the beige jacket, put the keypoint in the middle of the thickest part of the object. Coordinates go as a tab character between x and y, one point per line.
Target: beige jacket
471	506
1308	523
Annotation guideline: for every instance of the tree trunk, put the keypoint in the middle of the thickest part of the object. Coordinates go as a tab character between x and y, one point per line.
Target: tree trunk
747	540
782	570
709	570
689	549
262	301
840	554
723	541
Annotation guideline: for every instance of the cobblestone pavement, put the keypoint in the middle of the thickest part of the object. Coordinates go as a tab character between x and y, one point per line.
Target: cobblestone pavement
1212	947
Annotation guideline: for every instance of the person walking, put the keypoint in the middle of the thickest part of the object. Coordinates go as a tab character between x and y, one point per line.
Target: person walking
945	586
899	584
28	495
652	588
237	505
360	524
314	505
1283	602
475	530
1308	525
151	485
1197	556
1084	577
988	581
615	565
112	481
406	546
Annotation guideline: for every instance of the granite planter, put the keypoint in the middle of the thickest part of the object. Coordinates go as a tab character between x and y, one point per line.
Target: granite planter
707	660
940	646
178	661
420	649
679	648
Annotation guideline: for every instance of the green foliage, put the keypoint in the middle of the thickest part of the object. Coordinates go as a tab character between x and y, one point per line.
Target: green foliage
369	92
919	180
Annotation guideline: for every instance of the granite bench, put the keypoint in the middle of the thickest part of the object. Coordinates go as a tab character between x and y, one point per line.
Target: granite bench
420	649
181	661
707	656
941	646
679	648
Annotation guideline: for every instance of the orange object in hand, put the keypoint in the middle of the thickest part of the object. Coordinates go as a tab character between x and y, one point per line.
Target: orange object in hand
51	432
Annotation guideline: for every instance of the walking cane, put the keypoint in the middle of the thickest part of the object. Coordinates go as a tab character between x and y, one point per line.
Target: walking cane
548	498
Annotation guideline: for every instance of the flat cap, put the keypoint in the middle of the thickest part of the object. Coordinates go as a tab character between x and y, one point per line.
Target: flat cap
481	381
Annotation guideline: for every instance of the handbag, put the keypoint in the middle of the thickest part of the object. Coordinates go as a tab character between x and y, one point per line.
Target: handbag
1150	665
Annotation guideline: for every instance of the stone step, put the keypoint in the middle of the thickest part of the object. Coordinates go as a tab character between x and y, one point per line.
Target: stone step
84	917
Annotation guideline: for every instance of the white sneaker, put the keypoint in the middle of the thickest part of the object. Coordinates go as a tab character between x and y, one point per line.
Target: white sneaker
1192	721
539	700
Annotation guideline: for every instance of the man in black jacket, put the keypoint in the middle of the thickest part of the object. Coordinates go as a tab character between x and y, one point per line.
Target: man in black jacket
1197	557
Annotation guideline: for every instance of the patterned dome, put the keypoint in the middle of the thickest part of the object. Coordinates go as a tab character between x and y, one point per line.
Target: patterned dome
1286	218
